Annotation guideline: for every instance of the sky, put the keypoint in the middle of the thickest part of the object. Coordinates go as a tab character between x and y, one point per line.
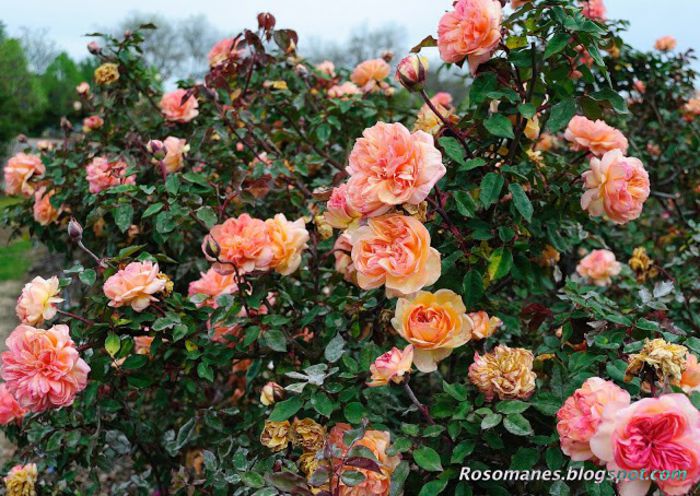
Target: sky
68	20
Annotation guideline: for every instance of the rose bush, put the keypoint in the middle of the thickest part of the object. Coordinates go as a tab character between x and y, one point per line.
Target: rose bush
307	279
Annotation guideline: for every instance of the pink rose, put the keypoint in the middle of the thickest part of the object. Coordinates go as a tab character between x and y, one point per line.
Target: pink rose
174	109
394	250
471	31
582	412
91	123
135	285
38	301
83	88
103	174
595	136
593	9
287	240
616	186
665	43
484	326
344	91
370	75
213	284
19	170
343	260
391	366
598	267
224	50
243	242
339	213
390	166
10	410
326	67
41	368
44	212
652	434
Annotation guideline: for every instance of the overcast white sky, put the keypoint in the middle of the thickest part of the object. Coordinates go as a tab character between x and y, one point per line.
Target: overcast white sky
67	20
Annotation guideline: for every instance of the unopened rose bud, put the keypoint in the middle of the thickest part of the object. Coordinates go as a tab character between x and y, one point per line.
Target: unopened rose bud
75	230
301	70
66	125
266	21
156	148
271	393
211	248
411	72
83	88
387	55
94	48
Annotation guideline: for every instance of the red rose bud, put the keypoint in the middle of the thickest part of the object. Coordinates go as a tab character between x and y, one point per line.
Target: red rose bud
75	230
266	21
93	48
411	72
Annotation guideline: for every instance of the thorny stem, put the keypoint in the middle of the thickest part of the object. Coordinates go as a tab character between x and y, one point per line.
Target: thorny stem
421	407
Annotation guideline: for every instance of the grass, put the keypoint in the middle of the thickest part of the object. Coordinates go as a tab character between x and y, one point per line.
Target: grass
14	257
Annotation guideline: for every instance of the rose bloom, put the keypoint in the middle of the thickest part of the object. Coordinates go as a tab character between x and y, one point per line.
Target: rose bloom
271	393
243	242
222	51
599	266
428	121
394	250
339	213
391	366
370	75
18	170
326	67
375	483
174	110
434	323
103	174
21	479
343	261
616	186
142	344
308	434
483	325
41	368
390	166
504	372
593	9
582	412
344	91
10	410
175	151
91	123
44	212
213	284
135	285
276	435
692	108
690	379
665	43
471	31
38	301
654	434
287	240
107	73
83	88
595	136
640	86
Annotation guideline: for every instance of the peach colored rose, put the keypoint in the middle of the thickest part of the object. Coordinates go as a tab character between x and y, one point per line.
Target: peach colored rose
19	170
175	151
428	121
374	483
142	344
616	186
83	88
434	323
38	301
287	240
640	86
484	326
692	107
243	242
103	174
44	212
326	67
391	366
213	284
44	145
390	166
41	368
343	261
594	136
593	9
135	285
10	410
91	123
394	250
339	213
582	412
654	434
504	372
370	75
471	31
665	43
224	50
344	90
690	380
175	110
599	266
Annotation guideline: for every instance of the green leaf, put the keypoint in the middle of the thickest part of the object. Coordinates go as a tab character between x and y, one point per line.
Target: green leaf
286	409
433	488
500	263
88	276
275	340
428	459
472	288
516	424
112	344
207	215
558	42
123	216
184	433
490	188
322	403
463	450
561	114
521	201
527	110
354	412
133	362
335	349
491	420
152	210
172	184
512	406
472	163
205	371
499	125
453	148
465	203
613	98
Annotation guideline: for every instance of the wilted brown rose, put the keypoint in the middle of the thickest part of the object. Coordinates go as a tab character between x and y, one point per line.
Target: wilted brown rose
308	434
275	435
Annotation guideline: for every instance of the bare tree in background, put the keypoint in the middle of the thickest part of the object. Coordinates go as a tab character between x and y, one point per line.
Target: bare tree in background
363	44
39	49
